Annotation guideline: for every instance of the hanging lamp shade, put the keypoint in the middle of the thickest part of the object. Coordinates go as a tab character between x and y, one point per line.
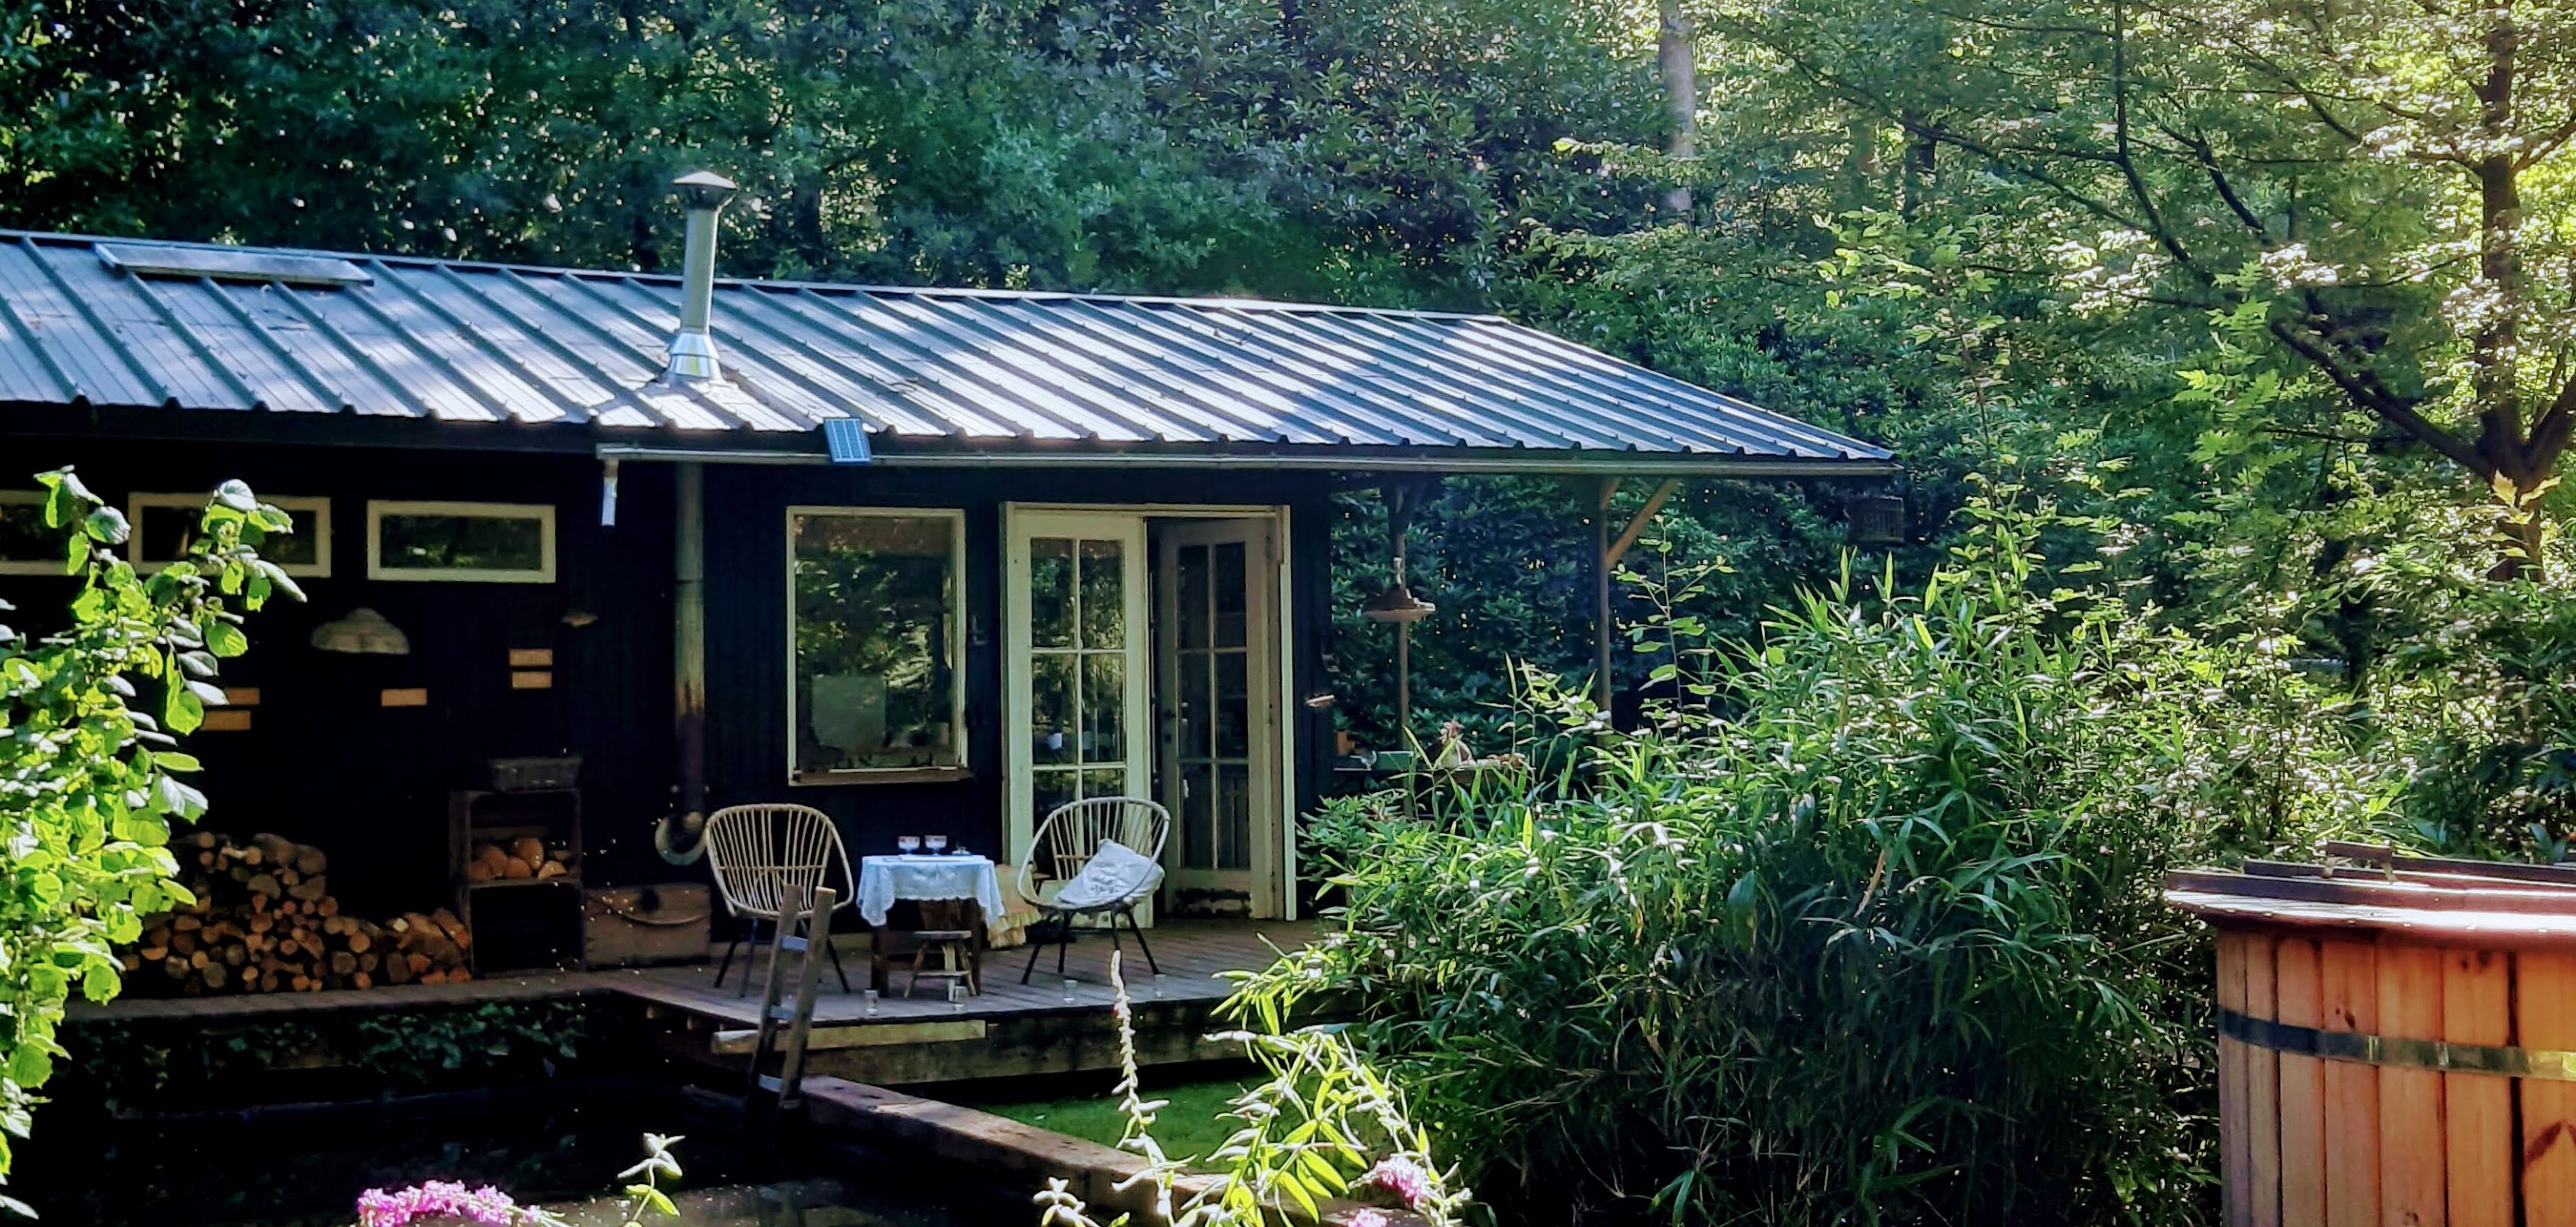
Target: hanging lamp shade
362	632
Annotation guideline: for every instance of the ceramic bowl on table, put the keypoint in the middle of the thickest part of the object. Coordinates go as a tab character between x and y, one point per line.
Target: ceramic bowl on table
907	844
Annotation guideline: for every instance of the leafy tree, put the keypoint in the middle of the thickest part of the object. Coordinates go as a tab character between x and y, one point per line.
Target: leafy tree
2376	191
89	781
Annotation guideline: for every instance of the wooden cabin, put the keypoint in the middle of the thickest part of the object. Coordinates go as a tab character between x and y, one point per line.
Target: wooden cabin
930	560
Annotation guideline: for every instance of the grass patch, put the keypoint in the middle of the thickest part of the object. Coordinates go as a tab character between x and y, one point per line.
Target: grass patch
1187	1127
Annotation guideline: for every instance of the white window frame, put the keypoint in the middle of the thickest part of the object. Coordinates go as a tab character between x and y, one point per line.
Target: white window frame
312	517
28	566
378	509
964	766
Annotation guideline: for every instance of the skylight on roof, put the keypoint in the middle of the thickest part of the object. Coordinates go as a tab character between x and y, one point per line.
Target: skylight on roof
218	264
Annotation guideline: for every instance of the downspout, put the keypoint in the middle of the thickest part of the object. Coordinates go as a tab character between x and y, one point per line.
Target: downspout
692	356
688	664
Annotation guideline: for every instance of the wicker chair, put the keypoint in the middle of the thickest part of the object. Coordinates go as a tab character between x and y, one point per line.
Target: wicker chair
757	852
1068	840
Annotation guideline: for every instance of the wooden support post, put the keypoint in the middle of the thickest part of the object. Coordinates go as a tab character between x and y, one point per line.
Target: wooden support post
1601	601
1637	527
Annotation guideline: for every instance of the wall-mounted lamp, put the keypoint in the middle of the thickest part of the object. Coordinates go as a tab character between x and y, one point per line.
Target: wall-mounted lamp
362	632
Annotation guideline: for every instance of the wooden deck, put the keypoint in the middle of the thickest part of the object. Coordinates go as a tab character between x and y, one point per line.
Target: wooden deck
1010	1029
1193	955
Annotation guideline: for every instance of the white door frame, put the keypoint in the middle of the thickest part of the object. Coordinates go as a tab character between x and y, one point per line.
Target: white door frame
1261	879
1019	823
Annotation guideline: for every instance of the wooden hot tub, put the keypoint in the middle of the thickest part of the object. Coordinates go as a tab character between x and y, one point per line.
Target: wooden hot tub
2397	1040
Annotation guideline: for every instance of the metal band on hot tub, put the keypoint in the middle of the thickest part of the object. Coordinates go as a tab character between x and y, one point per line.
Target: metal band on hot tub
2534	1063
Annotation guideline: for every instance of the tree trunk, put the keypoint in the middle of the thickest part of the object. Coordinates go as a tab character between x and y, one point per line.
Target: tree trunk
1677	58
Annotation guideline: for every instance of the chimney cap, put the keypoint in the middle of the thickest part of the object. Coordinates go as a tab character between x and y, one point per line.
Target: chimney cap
704	189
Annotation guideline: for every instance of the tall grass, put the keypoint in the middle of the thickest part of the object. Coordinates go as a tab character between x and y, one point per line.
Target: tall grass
1879	943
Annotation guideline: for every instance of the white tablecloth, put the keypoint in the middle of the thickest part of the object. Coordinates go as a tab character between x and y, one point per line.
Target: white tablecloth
884	879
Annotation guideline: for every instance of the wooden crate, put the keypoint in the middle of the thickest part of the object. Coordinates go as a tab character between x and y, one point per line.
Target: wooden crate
2397	1045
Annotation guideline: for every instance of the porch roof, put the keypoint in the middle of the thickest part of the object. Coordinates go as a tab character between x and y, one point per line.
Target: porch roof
932	374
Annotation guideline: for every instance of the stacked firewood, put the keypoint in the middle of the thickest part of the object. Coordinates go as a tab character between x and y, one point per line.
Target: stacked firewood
524	857
264	921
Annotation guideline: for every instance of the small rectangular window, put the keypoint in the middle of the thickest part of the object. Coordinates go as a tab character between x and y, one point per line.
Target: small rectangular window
163	523
27	547
876	672
490	543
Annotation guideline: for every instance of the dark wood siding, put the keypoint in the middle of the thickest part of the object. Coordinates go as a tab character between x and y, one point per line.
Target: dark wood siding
324	763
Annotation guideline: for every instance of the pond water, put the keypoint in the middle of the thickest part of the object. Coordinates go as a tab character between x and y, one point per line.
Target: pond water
306	1170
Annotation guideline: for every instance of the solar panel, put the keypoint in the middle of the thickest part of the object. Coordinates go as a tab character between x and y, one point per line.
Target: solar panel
221	265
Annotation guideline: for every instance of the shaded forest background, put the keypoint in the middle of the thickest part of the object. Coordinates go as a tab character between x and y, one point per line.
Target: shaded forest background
2176	267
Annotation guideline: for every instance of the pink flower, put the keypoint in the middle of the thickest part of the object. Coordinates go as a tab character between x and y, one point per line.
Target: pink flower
1366	1218
1402	1177
430	1199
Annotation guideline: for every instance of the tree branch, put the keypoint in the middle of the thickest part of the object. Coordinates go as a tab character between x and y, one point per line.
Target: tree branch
2367	393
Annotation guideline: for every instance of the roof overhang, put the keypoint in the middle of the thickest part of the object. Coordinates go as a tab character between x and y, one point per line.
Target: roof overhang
1459	461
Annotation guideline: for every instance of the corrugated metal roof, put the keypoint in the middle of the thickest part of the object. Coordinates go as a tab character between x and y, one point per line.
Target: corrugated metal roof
106	323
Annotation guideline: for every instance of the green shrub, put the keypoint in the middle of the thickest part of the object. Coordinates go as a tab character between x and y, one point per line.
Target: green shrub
1880	943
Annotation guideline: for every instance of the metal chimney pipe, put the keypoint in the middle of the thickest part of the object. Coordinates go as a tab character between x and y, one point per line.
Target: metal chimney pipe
693	348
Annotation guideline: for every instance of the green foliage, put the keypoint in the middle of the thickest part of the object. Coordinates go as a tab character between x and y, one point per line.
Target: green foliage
89	761
1881	944
1503	559
1323	1124
1373	150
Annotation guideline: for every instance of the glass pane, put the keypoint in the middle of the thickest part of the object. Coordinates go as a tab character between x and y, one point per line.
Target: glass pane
1104	585
1194	705
1229	595
1233	818
1104	707
1049	789
442	542
23	535
874	641
1052	716
1196	834
1233	706
166	532
1051	592
300	548
1193	598
1105	782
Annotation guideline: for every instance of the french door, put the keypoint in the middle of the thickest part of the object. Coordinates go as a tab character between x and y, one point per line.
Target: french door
1077	680
1218	679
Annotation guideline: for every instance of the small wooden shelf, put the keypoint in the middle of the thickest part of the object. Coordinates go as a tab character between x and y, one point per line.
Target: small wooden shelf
531	931
561	879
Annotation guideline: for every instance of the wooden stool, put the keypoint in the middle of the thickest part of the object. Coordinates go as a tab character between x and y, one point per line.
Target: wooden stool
957	959
961	956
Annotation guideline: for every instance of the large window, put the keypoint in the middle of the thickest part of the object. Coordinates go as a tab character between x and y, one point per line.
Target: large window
876	678
164	524
490	543
27	547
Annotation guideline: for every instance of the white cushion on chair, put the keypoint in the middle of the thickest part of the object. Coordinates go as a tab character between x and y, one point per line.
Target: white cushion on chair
1116	874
